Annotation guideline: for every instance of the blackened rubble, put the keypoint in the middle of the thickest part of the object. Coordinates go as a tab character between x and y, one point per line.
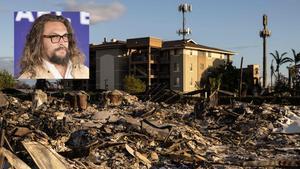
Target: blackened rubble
120	131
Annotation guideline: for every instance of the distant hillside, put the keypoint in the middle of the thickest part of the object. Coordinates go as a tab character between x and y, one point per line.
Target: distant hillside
7	63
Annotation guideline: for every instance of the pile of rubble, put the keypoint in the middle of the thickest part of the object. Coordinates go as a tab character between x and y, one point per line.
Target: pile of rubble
123	132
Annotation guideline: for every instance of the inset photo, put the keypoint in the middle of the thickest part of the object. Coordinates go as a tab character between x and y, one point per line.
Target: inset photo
51	45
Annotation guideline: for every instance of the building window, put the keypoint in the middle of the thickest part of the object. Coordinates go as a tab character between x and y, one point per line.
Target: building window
167	53
209	54
191	82
256	71
191	67
255	81
176	67
201	53
175	51
201	66
171	52
176	81
191	52
178	51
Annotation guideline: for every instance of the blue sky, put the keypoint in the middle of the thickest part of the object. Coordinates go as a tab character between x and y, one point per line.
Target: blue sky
226	24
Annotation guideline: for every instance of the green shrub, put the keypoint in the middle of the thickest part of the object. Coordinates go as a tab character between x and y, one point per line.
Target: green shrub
215	83
133	85
6	79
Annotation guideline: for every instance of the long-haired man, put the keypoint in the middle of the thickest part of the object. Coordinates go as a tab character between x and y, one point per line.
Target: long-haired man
51	52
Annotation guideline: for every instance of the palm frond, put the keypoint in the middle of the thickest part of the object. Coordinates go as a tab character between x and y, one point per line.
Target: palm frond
286	60
281	56
276	57
280	60
277	53
297	58
294	53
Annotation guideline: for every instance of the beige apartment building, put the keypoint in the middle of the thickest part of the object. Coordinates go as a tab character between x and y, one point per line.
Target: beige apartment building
190	61
108	64
144	56
180	64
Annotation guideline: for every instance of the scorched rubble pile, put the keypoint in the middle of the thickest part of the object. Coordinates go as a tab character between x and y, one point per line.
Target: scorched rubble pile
123	132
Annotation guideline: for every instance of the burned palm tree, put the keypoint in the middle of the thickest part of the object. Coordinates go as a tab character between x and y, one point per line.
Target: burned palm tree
296	57
292	69
280	60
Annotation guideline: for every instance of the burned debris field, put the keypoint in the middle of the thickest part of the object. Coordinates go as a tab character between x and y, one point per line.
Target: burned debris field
150	84
118	130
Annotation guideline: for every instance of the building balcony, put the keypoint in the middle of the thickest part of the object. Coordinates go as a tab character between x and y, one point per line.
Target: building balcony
164	75
145	77
142	59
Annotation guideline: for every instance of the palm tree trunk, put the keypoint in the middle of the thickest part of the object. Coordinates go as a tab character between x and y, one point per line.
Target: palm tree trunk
278	77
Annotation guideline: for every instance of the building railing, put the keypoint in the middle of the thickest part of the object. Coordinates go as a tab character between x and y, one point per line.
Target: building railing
143	58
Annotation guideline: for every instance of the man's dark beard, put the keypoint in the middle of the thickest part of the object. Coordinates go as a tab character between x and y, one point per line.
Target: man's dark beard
60	60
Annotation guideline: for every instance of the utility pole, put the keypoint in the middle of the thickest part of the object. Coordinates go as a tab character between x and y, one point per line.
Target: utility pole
184	31
264	34
241	78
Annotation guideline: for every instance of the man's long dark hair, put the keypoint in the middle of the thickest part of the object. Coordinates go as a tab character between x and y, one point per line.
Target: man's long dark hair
34	48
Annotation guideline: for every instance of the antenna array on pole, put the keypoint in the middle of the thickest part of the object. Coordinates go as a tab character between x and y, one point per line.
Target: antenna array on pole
265	33
184	31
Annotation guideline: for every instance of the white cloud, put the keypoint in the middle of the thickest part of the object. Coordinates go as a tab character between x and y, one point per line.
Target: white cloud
98	12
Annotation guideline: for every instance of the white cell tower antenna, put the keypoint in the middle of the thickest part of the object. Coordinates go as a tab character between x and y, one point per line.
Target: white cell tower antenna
184	31
265	33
